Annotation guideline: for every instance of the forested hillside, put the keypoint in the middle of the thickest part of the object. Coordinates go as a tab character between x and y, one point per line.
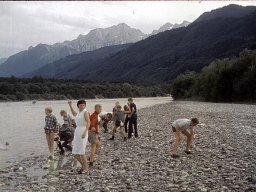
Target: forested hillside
225	80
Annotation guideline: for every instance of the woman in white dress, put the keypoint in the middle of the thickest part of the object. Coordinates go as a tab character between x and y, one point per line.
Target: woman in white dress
81	134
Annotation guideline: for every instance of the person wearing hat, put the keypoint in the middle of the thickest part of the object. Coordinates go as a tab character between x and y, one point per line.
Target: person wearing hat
132	119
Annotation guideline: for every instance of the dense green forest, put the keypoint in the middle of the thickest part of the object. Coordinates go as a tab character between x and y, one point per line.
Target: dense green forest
226	80
15	89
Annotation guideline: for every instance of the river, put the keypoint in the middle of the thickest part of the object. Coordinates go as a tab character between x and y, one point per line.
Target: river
22	124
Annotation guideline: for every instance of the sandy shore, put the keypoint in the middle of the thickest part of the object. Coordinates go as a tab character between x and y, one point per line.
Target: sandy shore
224	156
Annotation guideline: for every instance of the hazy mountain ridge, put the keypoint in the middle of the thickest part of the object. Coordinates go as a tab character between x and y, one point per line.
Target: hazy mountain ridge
169	26
35	57
70	66
230	11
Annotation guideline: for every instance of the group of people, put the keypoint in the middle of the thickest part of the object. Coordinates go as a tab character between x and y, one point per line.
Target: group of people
86	128
123	119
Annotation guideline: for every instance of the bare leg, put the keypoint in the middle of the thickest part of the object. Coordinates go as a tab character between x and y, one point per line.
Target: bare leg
77	157
51	140
113	131
74	162
83	158
177	142
48	142
98	146
189	139
122	132
93	149
189	142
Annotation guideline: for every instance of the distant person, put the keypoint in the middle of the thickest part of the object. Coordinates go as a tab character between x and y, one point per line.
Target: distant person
119	123
50	128
81	134
128	115
133	119
94	132
114	110
185	127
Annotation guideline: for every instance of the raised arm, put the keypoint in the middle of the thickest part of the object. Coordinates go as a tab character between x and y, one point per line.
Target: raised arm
71	108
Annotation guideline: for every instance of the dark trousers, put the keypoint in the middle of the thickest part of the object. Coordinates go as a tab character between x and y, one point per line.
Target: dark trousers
105	125
133	125
126	123
64	144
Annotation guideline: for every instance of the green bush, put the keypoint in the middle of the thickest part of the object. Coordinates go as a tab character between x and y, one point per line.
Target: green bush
226	80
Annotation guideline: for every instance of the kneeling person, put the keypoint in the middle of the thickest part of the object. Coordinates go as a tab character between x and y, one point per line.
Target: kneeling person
119	122
186	127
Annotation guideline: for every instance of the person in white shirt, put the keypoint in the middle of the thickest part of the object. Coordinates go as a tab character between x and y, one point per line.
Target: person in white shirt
185	127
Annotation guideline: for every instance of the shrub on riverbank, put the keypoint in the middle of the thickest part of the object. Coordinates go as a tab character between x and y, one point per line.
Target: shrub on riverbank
226	80
14	89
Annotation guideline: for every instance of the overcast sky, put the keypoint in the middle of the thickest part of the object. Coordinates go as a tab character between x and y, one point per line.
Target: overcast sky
24	24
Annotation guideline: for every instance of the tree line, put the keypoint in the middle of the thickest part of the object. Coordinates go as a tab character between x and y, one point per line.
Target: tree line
37	88
226	80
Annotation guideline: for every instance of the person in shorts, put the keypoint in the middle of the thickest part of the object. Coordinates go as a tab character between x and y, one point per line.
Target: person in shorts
119	122
94	132
185	127
50	129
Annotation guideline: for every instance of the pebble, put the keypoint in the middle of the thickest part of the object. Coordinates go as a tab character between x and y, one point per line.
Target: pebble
223	159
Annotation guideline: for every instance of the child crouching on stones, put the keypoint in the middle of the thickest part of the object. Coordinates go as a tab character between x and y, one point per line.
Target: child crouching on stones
66	132
106	119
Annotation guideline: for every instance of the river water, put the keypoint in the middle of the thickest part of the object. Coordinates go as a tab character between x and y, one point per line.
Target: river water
21	124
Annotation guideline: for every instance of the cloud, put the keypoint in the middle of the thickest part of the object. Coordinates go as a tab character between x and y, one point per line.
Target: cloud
27	23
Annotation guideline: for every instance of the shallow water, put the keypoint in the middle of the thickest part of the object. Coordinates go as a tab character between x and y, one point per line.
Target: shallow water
21	124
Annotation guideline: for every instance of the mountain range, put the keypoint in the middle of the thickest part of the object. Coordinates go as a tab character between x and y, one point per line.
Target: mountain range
169	26
74	65
161	57
38	56
42	54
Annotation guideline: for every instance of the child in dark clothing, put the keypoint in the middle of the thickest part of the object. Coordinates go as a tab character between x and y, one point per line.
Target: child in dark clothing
106	119
66	132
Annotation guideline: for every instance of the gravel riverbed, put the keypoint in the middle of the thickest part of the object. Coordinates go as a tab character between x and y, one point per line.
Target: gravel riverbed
224	157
